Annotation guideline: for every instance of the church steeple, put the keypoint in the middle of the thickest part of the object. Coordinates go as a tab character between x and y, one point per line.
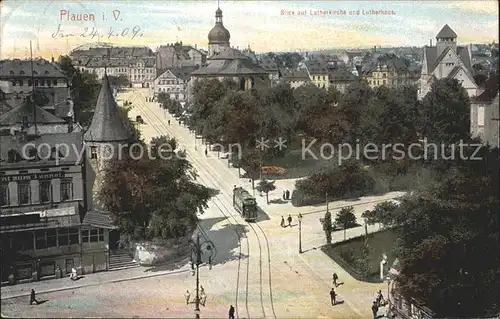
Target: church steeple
106	125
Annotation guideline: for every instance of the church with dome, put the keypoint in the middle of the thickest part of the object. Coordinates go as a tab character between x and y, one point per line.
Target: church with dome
226	62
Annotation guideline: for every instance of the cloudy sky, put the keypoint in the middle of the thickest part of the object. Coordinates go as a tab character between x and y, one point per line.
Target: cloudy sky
259	24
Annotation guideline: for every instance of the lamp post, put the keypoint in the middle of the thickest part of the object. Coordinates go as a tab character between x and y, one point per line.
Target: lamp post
197	250
300	233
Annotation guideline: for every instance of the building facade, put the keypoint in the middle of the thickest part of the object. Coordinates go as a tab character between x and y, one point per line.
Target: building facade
447	60
296	78
138	64
47	80
388	70
484	113
177	55
173	82
42	202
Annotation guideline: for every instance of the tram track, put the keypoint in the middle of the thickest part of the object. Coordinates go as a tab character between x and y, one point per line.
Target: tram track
161	126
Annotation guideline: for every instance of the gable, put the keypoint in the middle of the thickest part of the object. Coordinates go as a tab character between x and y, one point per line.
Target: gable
465	78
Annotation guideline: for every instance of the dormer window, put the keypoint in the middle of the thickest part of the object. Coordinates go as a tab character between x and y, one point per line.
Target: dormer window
11	72
35	72
22	72
46	72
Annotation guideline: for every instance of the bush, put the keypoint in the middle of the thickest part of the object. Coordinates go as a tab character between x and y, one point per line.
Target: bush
346	181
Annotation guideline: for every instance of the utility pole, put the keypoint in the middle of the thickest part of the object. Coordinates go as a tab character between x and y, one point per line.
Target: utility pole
300	233
197	249
326	200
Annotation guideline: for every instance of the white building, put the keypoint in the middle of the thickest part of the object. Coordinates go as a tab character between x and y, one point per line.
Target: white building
447	60
173	82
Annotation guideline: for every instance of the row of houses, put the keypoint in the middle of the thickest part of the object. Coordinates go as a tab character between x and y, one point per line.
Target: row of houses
50	223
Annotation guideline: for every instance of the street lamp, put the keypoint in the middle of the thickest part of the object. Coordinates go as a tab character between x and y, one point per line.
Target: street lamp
197	250
300	233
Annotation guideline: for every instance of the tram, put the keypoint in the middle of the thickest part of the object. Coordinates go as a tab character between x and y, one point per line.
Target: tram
245	204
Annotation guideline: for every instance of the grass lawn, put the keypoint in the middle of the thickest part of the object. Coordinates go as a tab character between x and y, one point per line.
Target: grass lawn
347	253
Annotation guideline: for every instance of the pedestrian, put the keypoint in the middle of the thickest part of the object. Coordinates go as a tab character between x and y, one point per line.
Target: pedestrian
187	295
287	194
32	297
335	278
374	309
380	299
206	152
284	195
289	220
282	222
231	312
333	297
168	122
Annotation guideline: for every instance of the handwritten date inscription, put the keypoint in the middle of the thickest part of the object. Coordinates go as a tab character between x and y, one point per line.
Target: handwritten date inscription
93	33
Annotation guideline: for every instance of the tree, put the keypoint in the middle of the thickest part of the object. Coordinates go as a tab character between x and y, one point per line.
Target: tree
382	213
120	81
84	90
266	187
346	218
448	233
328	227
163	143
151	198
446	112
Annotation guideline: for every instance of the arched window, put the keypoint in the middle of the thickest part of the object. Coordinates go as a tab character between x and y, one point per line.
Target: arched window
252	81
242	83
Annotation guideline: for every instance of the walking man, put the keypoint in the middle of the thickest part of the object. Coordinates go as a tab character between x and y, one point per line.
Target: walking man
333	296
287	194
375	309
335	278
284	195
32	297
187	295
206	152
168	122
289	220
231	312
282	222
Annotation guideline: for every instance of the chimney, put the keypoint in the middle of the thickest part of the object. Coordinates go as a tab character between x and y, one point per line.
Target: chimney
196	46
52	59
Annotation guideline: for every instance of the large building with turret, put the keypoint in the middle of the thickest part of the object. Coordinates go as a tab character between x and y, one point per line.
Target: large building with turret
447	60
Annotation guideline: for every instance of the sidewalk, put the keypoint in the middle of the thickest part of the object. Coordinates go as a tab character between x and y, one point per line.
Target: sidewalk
51	285
357	294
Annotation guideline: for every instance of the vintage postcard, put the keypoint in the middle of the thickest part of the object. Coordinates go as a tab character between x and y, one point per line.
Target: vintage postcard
249	159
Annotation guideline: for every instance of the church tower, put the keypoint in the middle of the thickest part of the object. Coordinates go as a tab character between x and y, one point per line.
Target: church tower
218	37
105	138
446	38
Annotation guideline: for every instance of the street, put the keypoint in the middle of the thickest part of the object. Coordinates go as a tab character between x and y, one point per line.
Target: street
257	268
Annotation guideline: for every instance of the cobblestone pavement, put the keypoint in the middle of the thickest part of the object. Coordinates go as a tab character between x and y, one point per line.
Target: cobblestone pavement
300	283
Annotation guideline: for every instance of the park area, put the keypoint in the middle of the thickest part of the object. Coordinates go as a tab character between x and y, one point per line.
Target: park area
363	261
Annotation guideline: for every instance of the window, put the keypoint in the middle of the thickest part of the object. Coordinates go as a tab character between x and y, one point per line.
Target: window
4	194
93	152
94	236
85	236
66	189
54	82
62	236
14	83
24	193
21	82
41	239
52	238
30	83
23	241
36	82
383	82
384	75
45	191
73	236
101	234
42	82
